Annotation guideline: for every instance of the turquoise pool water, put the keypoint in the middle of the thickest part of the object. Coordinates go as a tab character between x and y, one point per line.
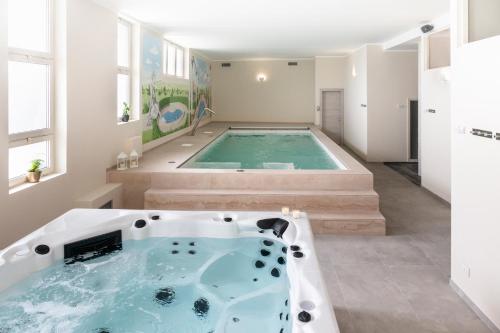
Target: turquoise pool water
167	285
286	150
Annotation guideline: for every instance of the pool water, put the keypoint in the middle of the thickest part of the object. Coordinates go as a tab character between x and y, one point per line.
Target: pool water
285	150
167	285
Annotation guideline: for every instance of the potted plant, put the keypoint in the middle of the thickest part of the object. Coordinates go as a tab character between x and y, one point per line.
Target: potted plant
34	171
126	112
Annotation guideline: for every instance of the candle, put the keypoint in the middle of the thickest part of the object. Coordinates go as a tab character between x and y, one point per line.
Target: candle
285	211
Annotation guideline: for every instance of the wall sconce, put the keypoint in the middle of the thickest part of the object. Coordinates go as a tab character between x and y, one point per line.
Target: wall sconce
446	74
261	77
354	74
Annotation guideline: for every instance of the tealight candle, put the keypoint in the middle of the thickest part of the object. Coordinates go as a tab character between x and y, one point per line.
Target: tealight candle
285	211
296	214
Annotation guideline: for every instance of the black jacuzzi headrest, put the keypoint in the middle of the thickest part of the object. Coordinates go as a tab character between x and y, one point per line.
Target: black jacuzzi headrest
277	224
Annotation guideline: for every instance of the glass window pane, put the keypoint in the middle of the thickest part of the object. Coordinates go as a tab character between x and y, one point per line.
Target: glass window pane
180	63
123	92
123	45
171	60
20	157
28	24
28	96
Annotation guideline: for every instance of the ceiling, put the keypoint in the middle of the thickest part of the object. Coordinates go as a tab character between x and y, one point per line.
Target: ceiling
235	29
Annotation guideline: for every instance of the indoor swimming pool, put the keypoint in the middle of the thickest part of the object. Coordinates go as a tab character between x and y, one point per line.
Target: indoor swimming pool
281	149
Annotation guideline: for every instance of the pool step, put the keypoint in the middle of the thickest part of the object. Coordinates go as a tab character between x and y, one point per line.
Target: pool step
258	180
372	223
310	201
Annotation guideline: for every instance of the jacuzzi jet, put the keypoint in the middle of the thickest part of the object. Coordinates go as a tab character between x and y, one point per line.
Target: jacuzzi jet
42	249
278	225
281	261
236	320
275	272
192	244
265	252
175	252
284	249
155	217
259	264
268	242
102	330
295	248
201	307
228	219
298	254
304	317
139	224
165	296
192	252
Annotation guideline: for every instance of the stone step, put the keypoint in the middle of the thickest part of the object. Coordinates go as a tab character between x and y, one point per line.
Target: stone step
369	223
308	201
258	180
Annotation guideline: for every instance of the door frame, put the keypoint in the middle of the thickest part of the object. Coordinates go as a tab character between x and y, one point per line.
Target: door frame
341	91
408	131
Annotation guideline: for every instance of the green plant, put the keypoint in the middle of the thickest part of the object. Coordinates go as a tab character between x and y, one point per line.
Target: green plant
126	109
35	165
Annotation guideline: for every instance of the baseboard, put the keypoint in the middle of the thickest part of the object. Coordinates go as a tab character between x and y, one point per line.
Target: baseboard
474	308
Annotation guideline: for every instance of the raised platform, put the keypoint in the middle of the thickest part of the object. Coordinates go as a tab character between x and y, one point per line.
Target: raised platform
337	201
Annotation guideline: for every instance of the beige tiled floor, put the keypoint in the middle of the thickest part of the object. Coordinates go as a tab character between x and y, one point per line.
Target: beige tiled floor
397	283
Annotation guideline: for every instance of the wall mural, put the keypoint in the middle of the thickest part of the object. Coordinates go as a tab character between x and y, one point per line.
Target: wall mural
165	103
200	86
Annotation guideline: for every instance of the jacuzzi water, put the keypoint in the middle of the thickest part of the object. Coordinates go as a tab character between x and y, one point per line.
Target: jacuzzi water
163	284
264	149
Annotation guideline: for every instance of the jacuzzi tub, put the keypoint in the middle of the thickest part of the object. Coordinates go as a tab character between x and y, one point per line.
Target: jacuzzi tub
165	271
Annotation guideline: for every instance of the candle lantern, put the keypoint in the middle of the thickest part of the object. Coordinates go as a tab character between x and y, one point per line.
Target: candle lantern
122	161
133	160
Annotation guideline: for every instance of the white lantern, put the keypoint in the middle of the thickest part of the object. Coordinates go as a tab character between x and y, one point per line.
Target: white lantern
133	160
121	161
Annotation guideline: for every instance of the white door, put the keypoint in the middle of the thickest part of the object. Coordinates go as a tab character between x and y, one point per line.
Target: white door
332	108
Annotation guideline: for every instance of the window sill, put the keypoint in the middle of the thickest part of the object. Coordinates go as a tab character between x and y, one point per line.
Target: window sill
25	186
131	121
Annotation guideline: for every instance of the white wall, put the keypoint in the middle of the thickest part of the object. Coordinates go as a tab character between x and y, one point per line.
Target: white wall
329	74
286	96
475	165
384	81
356	94
435	128
392	82
93	137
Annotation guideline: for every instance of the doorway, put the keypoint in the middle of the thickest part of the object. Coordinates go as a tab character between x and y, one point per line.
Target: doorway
332	114
413	131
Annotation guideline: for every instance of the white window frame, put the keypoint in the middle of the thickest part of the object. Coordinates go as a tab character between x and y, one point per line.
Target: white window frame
45	134
176	47
126	70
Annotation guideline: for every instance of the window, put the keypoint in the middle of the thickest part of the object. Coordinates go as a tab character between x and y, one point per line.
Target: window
30	86
124	51
483	19
174	60
179	67
170	59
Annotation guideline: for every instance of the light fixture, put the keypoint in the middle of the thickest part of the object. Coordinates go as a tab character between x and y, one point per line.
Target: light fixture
354	74
261	77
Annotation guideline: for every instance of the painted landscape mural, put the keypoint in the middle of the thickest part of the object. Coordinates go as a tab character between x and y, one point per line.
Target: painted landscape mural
200	86
165	104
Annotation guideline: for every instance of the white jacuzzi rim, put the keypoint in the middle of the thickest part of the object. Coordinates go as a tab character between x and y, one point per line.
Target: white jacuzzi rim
19	260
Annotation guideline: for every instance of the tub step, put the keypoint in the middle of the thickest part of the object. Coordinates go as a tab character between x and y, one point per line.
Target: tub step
348	223
310	201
